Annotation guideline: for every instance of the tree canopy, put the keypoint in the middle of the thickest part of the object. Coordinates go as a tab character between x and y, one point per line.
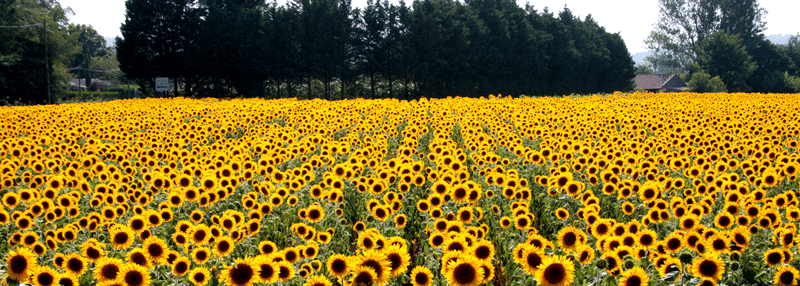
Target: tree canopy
310	48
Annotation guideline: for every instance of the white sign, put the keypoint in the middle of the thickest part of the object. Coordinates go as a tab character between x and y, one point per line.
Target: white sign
162	84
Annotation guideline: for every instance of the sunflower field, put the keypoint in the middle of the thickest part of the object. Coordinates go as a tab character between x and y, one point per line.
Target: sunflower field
617	189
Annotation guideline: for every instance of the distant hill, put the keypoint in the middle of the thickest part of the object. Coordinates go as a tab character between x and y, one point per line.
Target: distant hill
778	39
109	41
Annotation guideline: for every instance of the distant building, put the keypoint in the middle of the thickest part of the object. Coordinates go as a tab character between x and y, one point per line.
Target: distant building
660	82
96	84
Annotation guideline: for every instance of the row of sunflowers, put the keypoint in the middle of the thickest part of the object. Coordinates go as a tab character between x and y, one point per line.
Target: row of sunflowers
617	189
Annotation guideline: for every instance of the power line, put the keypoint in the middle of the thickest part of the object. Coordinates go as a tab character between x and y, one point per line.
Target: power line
23	26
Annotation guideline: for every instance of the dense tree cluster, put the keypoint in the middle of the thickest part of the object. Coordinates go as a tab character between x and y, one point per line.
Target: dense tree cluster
328	49
722	38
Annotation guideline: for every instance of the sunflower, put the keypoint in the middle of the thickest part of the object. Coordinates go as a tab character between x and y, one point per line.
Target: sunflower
786	275
285	271
399	259
555	271
156	250
223	246
44	276
121	237
483	250
338	265
421	276
670	264
378	261
530	257
773	257
242	273
585	254
107	269
562	214
181	266
134	275
689	222
199	276
267	247
570	238
19	264
673	243
628	208
464	271
314	213
199	234
708	266
647	238
67	280
634	277
318	280
75	264
201	255
364	276
266	268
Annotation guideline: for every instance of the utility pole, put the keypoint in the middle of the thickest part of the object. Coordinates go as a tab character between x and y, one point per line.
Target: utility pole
47	62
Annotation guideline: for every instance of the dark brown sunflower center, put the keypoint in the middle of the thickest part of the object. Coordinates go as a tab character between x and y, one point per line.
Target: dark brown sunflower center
139	258
483	252
181	267
223	246
283	273
45	278
555	273
338	266
674	243
199	277
155	250
421	278
121	238
774	258
201	255
786	278
375	265
18	264
569	239
109	271
708	268
533	260
241	274
134	278
75	265
92	253
363	278
465	273
266	271
634	281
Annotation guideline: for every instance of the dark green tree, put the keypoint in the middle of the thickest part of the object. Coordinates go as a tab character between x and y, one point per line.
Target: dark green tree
160	38
724	55
91	45
26	63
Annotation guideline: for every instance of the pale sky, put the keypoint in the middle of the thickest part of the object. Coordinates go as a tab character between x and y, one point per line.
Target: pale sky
633	19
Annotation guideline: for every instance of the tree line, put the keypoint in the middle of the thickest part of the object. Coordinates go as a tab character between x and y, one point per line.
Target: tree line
719	45
331	50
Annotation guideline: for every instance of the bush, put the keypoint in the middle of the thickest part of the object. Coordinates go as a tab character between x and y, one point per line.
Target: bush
76	96
703	82
792	82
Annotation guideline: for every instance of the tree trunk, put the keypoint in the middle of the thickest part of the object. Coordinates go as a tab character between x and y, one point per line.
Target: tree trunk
372	85
309	86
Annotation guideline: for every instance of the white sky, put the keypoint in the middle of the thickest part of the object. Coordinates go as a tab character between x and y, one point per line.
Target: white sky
632	18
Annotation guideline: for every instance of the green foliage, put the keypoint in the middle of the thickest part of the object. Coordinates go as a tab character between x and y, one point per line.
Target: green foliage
792	82
25	57
433	48
724	55
703	82
644	69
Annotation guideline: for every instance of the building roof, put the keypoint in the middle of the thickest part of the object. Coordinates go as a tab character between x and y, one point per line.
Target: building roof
655	81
